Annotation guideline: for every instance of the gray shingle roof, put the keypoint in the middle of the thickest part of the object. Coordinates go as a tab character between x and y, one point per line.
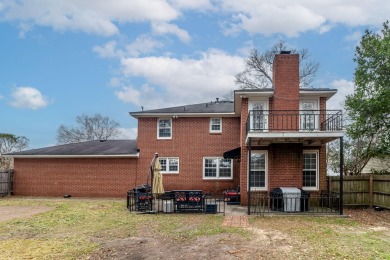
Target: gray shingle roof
89	148
203	108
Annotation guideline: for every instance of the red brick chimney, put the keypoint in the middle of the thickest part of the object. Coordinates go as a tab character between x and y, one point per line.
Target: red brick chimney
286	81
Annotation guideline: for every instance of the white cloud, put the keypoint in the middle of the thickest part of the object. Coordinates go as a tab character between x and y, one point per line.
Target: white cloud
102	17
181	81
28	97
354	37
145	96
167	28
344	88
90	16
199	5
108	50
141	45
127	133
294	17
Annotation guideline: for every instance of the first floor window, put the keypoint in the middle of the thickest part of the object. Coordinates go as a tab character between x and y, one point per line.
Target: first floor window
164	128
310	170
169	165
217	168
215	125
258	170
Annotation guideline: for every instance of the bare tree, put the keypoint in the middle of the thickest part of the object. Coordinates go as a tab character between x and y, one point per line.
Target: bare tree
258	68
11	143
89	128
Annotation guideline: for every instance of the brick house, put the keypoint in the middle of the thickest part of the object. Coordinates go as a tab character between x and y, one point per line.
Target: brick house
277	136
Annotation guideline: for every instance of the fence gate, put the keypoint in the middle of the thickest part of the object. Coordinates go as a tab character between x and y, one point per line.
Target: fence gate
6	182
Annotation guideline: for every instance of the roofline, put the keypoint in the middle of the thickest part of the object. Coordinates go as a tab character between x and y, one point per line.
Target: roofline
73	156
329	92
140	114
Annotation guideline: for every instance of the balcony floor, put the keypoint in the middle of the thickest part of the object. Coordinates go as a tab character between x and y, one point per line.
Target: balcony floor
313	138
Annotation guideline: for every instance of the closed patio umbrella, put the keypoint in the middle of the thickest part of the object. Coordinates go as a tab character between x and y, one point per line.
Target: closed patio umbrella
157	187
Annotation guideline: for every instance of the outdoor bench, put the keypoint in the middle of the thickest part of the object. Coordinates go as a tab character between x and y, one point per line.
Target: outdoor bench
188	200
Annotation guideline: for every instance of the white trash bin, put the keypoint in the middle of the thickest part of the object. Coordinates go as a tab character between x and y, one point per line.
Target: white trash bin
167	206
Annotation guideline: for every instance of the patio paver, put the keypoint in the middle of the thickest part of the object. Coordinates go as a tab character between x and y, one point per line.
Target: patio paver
235	221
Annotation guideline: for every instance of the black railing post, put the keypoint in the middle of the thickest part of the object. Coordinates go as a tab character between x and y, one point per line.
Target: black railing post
341	174
249	174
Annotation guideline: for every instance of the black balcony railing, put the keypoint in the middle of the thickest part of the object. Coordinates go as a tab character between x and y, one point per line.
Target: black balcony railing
294	120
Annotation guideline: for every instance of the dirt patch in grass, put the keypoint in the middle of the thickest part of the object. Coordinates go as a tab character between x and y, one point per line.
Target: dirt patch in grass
365	235
12	212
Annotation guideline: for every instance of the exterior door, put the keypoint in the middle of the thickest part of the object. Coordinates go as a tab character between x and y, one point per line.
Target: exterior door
258	115
308	115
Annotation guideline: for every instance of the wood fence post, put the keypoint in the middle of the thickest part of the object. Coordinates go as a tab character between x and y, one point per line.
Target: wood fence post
371	191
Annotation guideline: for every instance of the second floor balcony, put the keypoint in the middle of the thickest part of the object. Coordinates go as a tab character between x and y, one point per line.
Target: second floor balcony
295	125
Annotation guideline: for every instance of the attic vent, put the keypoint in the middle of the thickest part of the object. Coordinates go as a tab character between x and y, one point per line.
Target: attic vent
285	52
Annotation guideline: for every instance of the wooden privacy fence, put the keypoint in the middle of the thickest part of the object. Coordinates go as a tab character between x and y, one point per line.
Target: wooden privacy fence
367	190
6	182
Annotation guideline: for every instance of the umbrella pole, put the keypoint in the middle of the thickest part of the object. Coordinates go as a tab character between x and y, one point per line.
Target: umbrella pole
152	178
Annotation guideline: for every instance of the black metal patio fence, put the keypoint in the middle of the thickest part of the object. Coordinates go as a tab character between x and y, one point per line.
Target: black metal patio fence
169	203
322	203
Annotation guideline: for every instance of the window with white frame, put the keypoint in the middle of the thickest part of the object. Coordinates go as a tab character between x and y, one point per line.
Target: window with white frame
217	168
169	164
310	170
258	171
164	128
215	125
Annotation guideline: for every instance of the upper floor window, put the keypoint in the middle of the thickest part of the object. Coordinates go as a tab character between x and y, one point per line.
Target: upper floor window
310	170
215	125
169	165
217	168
164	128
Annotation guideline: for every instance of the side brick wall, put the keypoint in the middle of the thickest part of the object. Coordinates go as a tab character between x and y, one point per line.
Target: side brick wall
82	177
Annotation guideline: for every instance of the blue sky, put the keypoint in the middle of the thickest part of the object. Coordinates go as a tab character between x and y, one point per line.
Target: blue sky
63	58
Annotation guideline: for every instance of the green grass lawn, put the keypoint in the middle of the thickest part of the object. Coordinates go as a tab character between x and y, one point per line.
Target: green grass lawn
75	229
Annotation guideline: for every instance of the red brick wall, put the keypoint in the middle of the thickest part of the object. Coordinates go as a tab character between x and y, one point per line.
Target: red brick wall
82	177
284	165
191	141
286	82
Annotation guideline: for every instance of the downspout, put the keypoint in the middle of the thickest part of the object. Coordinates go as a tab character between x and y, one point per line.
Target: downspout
341	174
249	174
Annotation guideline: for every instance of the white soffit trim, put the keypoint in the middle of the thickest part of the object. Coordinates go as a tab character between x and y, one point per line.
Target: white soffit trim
175	115
318	93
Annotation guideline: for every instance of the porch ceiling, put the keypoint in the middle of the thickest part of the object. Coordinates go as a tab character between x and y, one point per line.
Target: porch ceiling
306	138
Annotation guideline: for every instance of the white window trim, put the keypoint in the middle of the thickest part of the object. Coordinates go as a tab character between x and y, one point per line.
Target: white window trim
167	159
217	178
265	188
158	128
317	170
220	125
